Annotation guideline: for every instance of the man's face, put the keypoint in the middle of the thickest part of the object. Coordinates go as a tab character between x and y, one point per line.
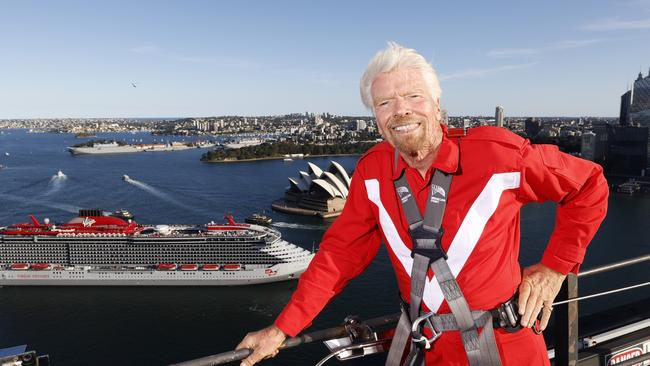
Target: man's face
407	115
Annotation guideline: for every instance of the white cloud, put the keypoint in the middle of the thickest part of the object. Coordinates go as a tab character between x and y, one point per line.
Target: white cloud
611	24
512	52
482	72
561	45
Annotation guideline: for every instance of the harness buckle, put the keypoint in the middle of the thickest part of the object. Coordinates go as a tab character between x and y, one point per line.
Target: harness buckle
417	329
506	316
427	243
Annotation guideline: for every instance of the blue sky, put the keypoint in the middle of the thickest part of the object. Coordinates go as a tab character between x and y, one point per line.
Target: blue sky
205	58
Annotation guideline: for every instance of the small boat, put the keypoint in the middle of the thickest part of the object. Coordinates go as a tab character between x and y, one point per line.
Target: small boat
166	267
189	267
259	219
287	159
41	266
19	267
60	174
126	178
210	267
232	267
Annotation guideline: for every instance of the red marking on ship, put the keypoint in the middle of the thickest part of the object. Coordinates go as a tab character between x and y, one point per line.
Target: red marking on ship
166	267
189	267
78	225
41	266
211	267
230	225
232	267
269	272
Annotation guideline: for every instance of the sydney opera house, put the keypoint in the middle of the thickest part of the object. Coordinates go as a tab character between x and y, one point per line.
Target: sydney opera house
316	192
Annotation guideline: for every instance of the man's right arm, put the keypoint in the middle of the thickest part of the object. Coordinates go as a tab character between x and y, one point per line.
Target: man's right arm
347	248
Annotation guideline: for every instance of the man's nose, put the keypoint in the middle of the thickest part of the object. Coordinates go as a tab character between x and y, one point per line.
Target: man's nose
402	108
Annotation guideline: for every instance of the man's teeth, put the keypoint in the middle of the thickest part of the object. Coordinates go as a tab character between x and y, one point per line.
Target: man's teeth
407	127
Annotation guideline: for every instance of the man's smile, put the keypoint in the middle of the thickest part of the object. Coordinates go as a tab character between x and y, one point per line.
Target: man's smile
406	127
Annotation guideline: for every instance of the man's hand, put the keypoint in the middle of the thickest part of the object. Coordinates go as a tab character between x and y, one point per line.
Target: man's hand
264	343
538	288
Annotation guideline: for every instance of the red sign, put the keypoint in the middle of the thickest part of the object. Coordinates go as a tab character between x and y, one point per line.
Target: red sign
625	355
269	272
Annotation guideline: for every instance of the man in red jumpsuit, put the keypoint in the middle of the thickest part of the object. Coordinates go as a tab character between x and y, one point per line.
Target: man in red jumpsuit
495	172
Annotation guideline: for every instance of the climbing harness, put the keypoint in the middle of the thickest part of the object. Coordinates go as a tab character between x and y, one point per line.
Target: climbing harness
426	235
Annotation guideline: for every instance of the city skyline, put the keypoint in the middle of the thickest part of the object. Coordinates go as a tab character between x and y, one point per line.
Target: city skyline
166	59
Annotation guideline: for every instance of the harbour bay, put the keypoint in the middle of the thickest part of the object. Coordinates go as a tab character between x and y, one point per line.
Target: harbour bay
155	326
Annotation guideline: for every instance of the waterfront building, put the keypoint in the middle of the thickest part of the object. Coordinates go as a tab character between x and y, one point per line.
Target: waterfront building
627	151
498	116
533	126
316	192
594	144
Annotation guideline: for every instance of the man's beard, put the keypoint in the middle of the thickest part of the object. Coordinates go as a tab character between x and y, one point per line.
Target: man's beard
410	143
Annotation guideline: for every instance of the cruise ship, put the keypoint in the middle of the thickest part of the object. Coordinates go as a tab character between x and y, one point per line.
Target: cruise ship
99	248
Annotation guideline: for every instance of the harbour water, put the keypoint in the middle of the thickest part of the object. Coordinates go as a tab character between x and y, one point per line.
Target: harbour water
157	326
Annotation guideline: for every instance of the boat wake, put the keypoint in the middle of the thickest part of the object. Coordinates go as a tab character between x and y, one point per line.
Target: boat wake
56	183
40	202
292	225
157	193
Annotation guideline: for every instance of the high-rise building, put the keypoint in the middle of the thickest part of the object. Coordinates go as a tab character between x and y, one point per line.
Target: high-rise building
624	116
635	106
498	116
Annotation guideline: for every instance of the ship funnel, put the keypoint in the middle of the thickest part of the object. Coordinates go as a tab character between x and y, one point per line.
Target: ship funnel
34	221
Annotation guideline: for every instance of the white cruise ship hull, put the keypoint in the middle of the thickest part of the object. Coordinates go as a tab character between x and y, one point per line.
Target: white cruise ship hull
150	277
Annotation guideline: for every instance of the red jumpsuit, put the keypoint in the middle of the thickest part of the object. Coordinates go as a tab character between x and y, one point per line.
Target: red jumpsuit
496	173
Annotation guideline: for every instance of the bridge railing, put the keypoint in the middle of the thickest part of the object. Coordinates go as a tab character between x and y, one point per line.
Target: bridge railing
566	315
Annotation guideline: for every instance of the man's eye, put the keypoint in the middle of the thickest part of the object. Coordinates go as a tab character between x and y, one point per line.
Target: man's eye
381	104
412	96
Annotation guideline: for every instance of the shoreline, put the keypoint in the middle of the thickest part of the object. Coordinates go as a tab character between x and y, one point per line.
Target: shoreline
275	158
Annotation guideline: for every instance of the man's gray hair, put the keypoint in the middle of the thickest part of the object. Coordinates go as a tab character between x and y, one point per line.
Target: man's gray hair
397	57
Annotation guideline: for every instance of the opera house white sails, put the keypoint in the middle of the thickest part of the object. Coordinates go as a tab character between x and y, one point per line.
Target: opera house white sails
316	192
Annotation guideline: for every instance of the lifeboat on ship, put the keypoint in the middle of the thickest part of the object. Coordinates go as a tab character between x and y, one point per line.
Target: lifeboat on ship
189	267
166	267
19	267
41	267
232	267
211	267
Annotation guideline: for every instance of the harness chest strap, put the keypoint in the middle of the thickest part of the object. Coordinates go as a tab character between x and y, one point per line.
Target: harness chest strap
427	251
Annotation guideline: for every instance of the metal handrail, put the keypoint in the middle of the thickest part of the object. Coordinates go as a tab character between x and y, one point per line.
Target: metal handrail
617	265
566	317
